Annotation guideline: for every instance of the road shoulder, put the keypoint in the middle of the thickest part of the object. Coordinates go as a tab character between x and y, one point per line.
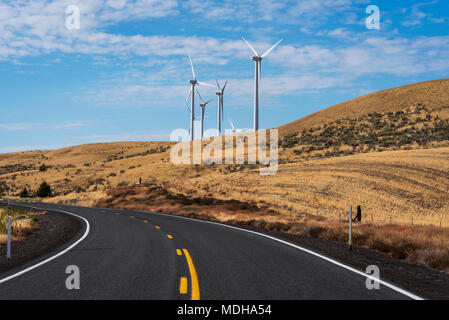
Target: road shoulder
55	232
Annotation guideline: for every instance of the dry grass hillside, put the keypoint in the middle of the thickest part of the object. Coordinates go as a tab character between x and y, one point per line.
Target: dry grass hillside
388	152
433	94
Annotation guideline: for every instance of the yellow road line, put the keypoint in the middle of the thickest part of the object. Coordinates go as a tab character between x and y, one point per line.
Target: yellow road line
145	221
157	227
193	276
179	253
183	286
169	236
132	217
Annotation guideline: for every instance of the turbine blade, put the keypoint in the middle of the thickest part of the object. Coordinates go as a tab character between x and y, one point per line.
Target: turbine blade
224	87
193	69
188	96
208	102
251	47
232	124
218	85
200	96
266	53
205	84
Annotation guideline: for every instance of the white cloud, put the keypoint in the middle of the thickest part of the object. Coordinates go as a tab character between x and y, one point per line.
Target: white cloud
126	137
28	126
417	17
154	72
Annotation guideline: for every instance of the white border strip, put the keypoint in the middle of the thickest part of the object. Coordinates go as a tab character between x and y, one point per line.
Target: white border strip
55	256
387	284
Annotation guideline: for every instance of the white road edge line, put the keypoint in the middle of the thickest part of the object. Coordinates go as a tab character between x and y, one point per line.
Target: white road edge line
385	283
56	255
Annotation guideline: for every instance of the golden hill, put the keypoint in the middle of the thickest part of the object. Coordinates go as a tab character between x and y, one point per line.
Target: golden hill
350	133
433	94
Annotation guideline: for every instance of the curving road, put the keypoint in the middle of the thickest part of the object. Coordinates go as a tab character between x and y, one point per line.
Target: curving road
137	255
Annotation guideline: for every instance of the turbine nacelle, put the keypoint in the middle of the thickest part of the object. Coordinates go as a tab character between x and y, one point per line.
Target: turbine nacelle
194	82
258	59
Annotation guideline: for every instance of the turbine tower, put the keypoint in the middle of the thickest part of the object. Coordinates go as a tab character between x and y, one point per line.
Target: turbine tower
258	59
220	95
203	111
194	83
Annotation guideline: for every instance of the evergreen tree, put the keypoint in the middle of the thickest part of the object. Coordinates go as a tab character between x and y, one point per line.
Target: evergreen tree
44	190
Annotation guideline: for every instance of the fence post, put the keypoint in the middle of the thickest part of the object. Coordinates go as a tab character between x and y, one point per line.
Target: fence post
350	228
8	251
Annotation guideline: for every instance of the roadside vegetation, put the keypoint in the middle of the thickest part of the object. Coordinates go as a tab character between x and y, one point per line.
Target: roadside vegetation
411	128
23	223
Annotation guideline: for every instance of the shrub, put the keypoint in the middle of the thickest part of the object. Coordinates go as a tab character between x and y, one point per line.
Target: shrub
43	168
44	190
78	189
24	193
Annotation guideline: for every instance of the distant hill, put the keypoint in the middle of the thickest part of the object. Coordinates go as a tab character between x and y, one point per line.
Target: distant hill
412	117
434	95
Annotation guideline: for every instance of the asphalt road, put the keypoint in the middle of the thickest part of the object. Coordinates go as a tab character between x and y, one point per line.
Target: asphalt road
136	255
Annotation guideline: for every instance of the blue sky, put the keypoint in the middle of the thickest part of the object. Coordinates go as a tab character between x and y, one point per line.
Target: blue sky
123	75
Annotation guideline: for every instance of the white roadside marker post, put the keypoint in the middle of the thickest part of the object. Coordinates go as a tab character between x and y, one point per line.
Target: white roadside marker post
8	254
350	228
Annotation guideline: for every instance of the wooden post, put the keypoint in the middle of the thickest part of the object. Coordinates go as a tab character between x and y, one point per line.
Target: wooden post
350	228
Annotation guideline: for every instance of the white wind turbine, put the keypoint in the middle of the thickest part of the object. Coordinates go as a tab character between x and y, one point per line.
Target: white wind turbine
203	111
220	95
194	82
258	59
234	130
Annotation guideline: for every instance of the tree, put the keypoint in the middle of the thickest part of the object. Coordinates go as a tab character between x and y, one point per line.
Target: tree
43	168
24	193
44	190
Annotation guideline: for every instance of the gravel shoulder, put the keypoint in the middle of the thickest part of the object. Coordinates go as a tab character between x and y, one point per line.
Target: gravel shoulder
55	232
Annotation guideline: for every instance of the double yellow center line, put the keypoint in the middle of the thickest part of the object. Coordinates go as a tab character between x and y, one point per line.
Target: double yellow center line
183	285
193	277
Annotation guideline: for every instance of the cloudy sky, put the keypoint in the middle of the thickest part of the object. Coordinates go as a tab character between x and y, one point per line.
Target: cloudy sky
123	75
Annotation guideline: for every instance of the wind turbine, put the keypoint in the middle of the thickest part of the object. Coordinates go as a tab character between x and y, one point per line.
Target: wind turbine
194	82
258	59
203	111
220	95
232	125
234	130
